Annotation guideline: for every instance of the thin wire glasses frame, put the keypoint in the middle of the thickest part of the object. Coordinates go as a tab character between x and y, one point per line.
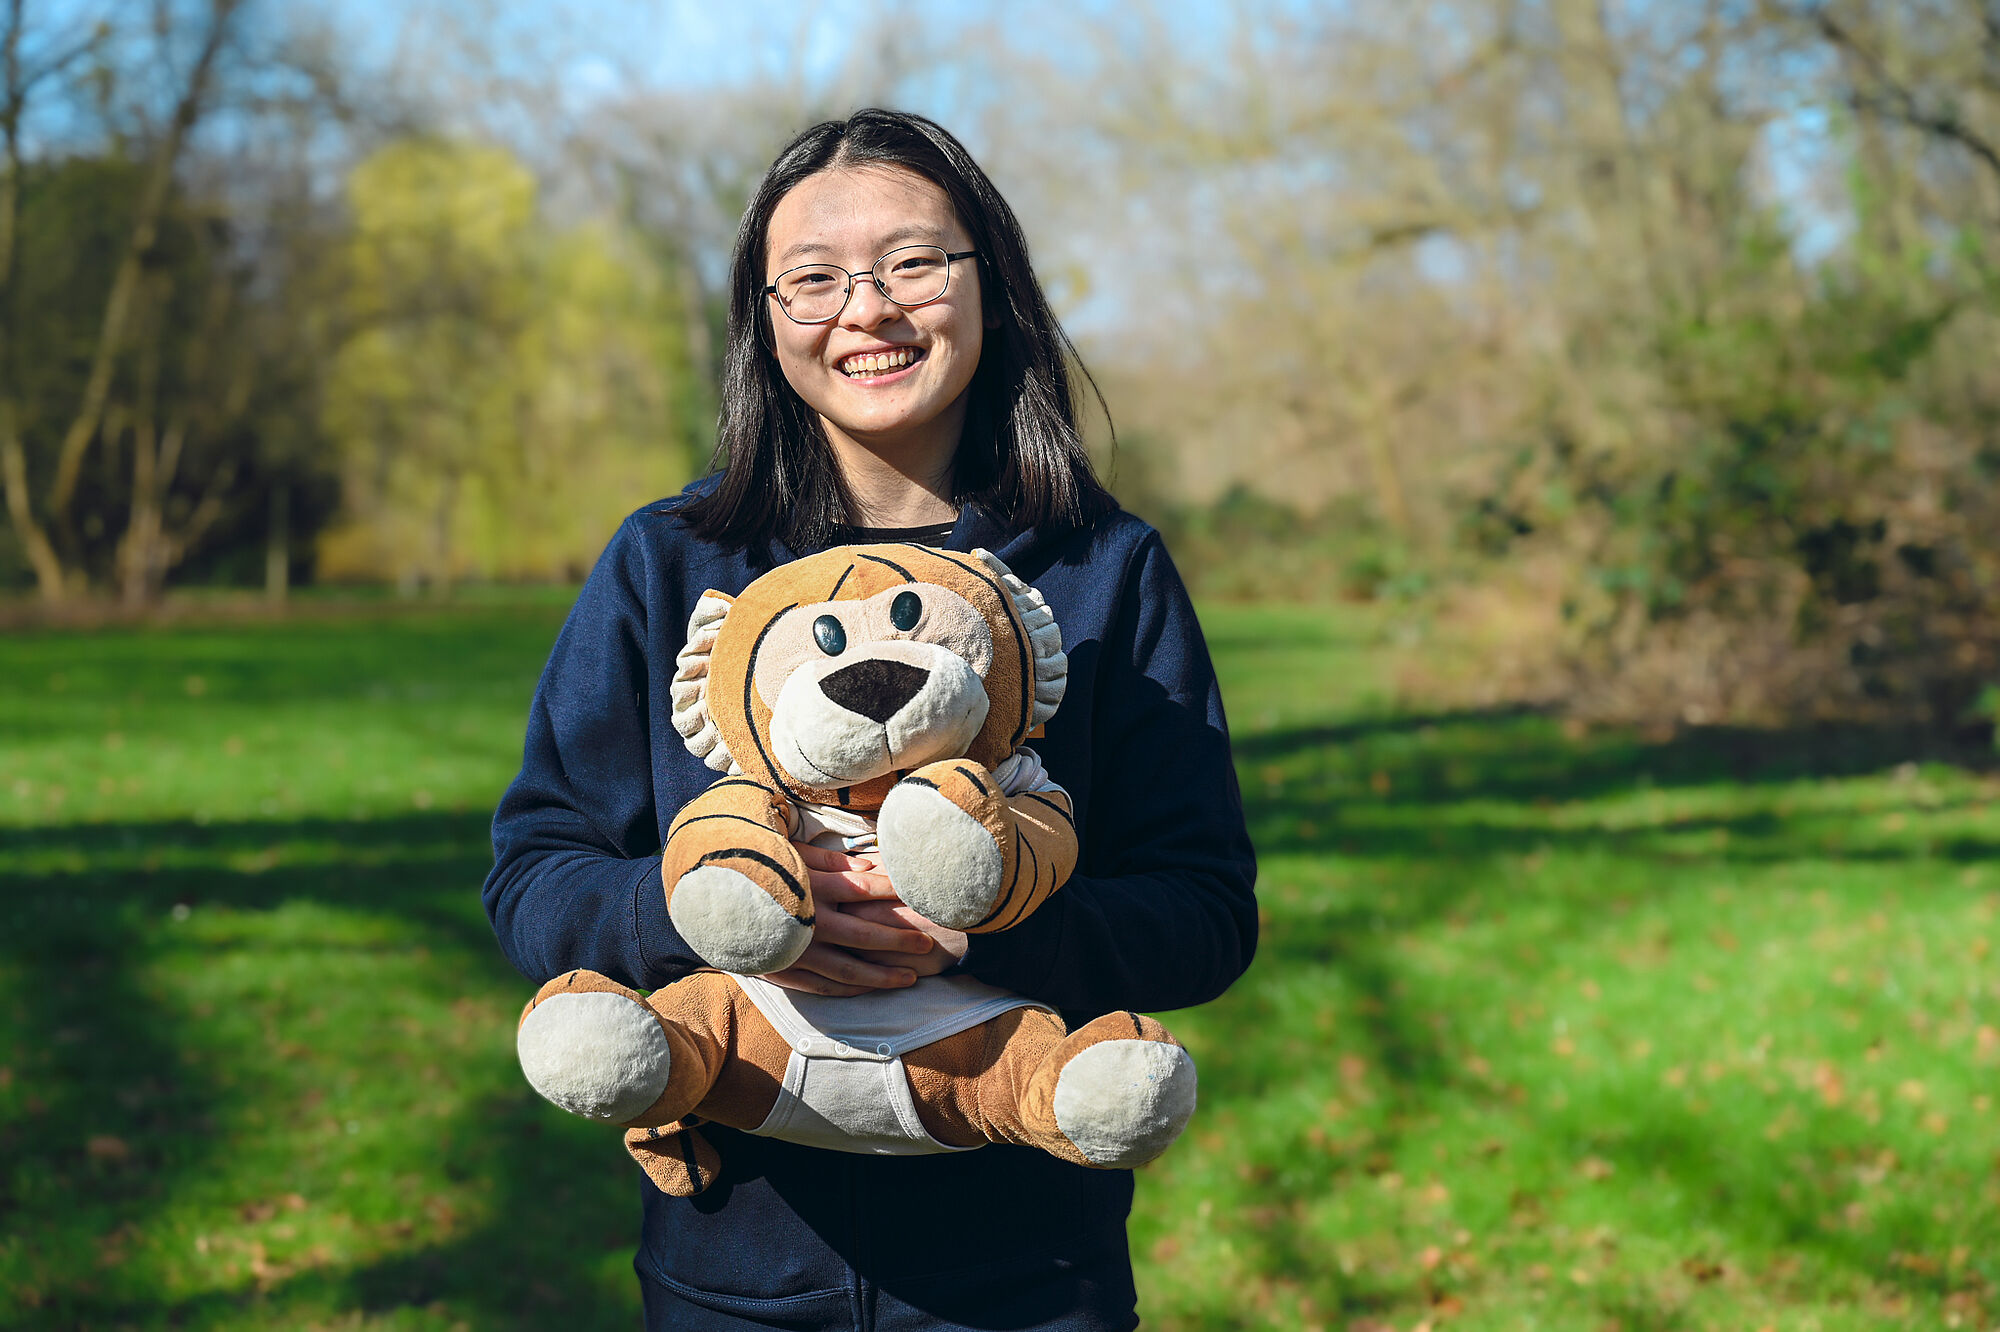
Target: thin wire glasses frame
874	273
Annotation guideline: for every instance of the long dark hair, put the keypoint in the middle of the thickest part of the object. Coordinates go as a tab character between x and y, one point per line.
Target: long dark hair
1021	454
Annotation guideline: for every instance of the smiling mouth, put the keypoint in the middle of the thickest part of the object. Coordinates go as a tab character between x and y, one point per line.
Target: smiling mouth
870	365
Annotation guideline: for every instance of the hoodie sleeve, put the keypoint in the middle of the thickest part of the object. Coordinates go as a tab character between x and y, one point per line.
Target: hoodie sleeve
576	839
1162	912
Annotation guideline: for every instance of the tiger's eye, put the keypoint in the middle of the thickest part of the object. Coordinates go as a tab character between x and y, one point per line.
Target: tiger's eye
832	639
906	610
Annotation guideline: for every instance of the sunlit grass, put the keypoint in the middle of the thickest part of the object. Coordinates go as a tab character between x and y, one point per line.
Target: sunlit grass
1560	1030
1547	1030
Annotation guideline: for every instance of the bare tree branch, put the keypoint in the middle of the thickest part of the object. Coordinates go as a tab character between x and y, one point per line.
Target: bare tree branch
145	228
13	458
1897	102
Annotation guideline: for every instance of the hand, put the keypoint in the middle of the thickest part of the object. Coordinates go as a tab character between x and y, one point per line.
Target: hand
852	953
950	944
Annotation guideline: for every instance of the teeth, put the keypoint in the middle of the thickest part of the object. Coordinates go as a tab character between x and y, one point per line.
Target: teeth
875	363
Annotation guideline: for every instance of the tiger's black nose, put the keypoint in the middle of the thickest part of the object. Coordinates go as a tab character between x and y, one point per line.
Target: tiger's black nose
875	688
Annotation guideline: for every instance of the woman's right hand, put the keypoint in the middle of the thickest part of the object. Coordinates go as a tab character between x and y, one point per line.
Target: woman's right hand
831	963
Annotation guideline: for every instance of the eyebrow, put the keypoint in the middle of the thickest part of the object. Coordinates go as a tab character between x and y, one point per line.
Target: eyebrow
913	231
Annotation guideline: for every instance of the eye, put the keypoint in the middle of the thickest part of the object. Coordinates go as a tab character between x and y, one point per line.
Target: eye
906	610
832	639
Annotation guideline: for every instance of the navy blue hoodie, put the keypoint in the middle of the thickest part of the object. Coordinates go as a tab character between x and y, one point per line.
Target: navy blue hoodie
1159	915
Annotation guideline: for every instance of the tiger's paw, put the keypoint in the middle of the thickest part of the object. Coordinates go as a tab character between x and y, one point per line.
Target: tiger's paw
941	832
1117	1092
592	1047
735	922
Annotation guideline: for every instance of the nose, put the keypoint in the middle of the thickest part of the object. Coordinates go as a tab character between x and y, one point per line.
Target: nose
876	689
867	307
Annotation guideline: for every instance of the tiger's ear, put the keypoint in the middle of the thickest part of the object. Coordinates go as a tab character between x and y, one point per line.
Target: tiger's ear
1044	638
690	687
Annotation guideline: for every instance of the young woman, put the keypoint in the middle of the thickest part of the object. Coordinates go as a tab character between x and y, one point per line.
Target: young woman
894	373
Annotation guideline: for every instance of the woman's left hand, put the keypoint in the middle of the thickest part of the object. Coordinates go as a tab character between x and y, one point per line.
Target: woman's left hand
950	944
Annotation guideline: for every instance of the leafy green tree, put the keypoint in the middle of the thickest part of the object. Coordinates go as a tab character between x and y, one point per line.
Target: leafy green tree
508	388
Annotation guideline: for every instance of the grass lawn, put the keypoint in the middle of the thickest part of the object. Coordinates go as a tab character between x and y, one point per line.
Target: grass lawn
1547	1030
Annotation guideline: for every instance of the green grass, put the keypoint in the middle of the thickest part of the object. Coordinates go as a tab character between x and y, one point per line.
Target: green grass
1546	1031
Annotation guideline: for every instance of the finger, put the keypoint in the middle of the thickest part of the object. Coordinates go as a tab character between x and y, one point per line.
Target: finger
851	886
844	968
811	982
849	931
894	914
930	964
826	858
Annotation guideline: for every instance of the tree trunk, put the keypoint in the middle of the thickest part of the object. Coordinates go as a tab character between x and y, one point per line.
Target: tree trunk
278	546
441	536
138	549
14	479
83	426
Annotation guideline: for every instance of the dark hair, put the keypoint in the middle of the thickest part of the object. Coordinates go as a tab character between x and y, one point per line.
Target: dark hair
1021	454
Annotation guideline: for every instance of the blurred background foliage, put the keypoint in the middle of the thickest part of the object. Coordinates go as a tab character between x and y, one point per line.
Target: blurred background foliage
1643	348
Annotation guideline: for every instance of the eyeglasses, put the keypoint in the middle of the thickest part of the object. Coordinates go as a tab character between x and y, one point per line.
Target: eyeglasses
913	275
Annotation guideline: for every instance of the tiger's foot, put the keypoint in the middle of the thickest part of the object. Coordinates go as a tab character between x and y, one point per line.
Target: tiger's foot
595	1048
1114	1094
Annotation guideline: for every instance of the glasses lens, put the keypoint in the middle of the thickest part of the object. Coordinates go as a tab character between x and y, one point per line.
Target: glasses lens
913	275
813	292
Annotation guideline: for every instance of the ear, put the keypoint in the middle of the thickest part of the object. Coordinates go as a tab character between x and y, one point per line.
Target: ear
1044	638
690	687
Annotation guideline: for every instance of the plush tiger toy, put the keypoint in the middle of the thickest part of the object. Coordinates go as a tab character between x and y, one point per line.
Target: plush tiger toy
874	699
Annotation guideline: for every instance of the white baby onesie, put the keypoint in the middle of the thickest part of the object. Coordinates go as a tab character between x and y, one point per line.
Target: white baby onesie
845	1087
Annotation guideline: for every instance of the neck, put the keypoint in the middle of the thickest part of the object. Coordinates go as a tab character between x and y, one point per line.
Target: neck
903	481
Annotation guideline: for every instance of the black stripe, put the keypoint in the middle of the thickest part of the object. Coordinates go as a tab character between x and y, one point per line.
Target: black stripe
791	880
1136	1027
1028	900
734	781
1041	799
972	776
687	1155
841	796
750	678
908	577
843	579
1006	894
740	818
919	781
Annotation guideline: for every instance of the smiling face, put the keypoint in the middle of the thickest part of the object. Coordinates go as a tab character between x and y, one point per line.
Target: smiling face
885	379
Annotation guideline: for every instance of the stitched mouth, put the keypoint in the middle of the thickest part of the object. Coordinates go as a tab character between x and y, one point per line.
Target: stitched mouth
870	364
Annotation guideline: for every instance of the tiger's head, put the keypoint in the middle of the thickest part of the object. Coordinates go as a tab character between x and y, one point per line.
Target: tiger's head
830	676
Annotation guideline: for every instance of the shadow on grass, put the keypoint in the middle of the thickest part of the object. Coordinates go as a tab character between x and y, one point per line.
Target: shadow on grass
1398	875
1320	789
1521	754
116	1061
